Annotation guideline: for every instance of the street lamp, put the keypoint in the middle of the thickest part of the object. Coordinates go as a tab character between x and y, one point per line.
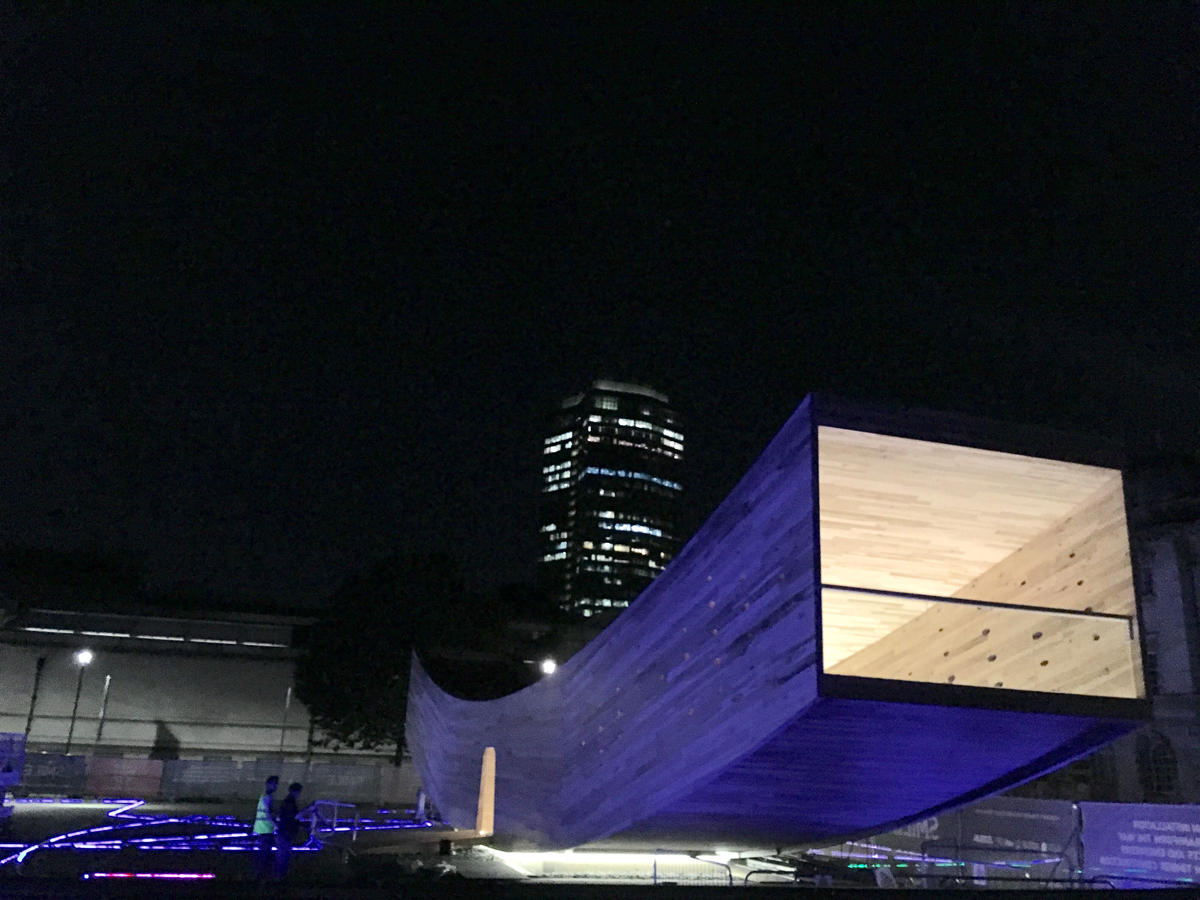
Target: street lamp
548	666
83	658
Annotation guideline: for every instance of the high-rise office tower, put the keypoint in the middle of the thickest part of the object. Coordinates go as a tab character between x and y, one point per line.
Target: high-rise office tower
610	496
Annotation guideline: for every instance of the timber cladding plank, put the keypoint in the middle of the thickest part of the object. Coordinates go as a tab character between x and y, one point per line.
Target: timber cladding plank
850	766
917	517
1081	562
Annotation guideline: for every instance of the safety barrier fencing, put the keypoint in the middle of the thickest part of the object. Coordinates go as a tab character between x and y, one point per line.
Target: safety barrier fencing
672	868
55	774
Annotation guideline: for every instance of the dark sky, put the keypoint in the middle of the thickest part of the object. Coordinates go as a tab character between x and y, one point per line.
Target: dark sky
285	286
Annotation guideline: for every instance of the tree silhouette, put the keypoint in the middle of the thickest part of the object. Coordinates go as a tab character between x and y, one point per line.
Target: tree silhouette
353	675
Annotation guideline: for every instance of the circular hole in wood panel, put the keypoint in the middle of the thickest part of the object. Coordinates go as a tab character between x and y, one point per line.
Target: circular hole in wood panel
1044	662
1072	556
1095	637
950	679
999	684
1079	582
986	632
992	658
947	653
1037	635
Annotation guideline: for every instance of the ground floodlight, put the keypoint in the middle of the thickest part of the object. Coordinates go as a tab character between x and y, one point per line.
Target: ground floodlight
84	657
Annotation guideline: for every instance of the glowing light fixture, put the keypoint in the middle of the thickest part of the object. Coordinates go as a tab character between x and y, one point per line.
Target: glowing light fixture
83	657
177	876
548	666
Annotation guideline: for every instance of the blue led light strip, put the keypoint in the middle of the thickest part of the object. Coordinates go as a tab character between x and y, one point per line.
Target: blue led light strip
87	839
178	876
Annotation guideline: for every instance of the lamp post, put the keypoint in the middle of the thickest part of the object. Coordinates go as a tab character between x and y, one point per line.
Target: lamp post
37	680
287	705
83	658
103	712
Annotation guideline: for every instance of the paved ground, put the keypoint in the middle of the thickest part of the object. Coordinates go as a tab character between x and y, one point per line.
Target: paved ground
329	872
37	821
156	850
32	823
475	890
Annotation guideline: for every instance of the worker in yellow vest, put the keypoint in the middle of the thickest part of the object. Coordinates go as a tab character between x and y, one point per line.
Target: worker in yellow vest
264	830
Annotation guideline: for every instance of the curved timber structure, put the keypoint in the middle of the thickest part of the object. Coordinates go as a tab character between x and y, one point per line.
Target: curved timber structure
892	614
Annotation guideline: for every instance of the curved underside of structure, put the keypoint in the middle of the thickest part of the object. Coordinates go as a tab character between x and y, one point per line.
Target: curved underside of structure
704	714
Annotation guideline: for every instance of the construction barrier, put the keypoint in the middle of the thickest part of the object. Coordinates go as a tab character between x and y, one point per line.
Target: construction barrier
117	777
54	774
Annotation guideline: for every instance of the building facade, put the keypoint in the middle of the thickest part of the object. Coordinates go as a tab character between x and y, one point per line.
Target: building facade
167	686
1160	762
168	703
610	496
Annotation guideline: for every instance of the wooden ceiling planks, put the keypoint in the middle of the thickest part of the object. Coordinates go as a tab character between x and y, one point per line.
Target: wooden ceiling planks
1081	562
918	517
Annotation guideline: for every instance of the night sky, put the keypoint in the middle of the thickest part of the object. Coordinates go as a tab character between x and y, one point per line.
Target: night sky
285	287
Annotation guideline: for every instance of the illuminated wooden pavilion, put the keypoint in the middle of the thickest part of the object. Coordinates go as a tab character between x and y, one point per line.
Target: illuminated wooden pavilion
892	614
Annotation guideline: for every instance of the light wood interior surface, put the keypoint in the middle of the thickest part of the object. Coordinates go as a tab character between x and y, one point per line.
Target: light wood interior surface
916	517
852	621
1080	562
997	647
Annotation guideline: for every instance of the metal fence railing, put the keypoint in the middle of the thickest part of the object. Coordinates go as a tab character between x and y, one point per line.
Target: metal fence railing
674	868
12	759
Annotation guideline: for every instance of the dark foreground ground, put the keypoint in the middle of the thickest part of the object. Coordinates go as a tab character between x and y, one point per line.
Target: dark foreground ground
332	874
47	889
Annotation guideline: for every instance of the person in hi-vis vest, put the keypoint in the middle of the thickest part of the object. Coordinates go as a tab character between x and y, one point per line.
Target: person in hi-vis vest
264	829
